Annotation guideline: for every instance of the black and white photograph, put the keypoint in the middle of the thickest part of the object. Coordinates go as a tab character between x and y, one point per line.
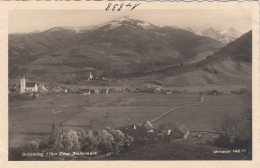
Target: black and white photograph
136	84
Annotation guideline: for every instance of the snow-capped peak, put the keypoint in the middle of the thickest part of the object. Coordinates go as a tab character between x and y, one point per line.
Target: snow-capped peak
80	29
146	25
224	36
232	32
56	29
121	19
126	20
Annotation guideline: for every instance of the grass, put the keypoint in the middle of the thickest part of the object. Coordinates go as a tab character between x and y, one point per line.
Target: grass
29	119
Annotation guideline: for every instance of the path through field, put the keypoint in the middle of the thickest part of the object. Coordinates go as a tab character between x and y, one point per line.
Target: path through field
163	114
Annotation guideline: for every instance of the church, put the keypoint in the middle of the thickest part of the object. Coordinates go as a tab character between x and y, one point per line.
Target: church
27	86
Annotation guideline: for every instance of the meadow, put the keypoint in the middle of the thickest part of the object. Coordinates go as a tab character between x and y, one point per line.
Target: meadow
29	119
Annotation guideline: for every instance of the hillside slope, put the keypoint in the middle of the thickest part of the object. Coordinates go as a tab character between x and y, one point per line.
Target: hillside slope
231	65
122	46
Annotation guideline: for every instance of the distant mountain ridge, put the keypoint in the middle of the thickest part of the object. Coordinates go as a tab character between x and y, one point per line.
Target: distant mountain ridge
110	25
224	36
121	46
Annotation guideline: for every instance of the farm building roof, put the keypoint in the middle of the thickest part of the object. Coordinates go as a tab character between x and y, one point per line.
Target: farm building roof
183	128
148	125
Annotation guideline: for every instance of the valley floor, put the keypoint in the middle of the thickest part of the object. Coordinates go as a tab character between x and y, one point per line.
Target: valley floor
30	119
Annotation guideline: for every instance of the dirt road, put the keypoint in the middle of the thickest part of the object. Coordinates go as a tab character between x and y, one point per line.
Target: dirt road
163	114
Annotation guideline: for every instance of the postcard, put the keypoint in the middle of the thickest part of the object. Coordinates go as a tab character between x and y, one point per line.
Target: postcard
129	83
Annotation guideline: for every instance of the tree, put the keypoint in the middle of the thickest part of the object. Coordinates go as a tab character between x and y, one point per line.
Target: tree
89	141
230	129
119	138
71	140
105	141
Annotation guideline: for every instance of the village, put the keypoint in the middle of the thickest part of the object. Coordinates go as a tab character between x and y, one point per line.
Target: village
37	89
29	87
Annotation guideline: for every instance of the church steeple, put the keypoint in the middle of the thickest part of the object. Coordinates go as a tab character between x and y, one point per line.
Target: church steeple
22	85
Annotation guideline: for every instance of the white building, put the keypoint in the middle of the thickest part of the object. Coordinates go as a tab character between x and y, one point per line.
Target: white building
26	86
91	76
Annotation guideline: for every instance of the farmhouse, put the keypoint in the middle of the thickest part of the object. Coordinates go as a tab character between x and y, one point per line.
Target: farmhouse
185	130
148	126
97	91
165	129
170	130
157	90
168	92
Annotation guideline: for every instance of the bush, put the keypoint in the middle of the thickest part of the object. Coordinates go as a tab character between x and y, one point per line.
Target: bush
88	141
102	141
33	144
71	140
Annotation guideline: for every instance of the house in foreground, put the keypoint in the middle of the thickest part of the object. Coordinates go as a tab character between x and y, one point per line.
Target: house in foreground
148	126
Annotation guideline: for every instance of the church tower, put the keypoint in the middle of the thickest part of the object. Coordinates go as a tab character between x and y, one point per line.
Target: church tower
22	85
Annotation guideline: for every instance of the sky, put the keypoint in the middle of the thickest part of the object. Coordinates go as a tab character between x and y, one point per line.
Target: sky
22	21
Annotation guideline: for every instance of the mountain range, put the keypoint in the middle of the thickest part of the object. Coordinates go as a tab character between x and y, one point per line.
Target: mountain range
119	48
224	36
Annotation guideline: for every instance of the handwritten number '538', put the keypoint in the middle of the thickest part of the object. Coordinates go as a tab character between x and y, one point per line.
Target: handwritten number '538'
115	6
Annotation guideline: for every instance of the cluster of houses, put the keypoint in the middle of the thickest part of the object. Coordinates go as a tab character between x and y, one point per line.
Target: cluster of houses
27	86
85	91
168	132
144	131
24	85
147	131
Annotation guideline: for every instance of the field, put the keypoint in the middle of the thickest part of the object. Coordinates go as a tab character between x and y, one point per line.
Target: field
33	118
